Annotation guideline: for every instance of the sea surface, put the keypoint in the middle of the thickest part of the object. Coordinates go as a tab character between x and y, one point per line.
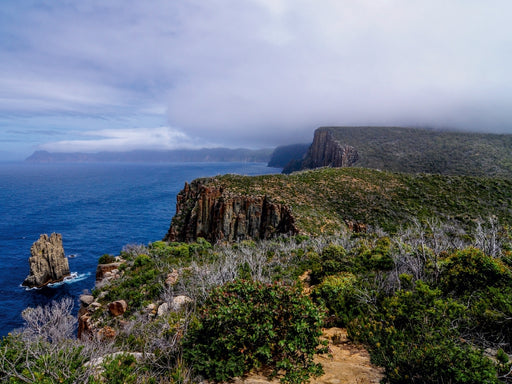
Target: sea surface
97	207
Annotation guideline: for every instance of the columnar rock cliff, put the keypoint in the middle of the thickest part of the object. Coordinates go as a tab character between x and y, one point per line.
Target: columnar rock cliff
48	263
212	213
326	151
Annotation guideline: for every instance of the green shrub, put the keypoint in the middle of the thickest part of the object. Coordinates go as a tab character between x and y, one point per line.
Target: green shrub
374	257
332	259
119	369
338	293
200	246
469	270
142	260
245	325
490	312
416	338
106	259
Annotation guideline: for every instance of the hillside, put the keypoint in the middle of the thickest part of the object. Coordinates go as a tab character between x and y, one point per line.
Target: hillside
233	207
412	150
430	300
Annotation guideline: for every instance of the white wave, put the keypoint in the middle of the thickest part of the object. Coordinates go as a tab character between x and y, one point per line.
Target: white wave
72	278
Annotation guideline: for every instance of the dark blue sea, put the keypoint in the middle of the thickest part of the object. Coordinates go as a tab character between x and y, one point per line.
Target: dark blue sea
98	208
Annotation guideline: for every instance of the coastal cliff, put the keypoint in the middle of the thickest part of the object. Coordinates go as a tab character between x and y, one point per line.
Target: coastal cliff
409	150
232	207
327	151
216	214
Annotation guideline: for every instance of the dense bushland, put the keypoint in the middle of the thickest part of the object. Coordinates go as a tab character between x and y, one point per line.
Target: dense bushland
414	150
431	302
324	200
245	325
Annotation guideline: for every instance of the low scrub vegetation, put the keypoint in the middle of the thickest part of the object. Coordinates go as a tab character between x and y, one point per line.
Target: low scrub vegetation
245	325
326	199
431	302
416	150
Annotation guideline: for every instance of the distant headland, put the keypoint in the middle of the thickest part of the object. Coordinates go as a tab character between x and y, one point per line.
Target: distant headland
151	156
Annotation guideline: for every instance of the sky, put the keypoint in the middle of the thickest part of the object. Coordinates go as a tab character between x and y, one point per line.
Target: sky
98	75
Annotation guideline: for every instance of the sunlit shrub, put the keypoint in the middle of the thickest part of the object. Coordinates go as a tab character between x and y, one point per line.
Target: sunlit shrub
470	269
246	324
416	339
338	293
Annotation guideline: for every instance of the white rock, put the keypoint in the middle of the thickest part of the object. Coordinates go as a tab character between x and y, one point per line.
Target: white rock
179	302
163	309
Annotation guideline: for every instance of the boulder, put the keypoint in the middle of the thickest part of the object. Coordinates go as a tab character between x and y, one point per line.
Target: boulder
176	304
172	278
84	325
180	302
163	309
86	299
48	263
106	333
117	308
103	269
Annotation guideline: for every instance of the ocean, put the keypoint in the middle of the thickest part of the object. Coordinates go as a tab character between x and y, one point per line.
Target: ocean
97	207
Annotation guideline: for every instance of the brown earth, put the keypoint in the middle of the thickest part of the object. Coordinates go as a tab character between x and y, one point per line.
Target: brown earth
346	363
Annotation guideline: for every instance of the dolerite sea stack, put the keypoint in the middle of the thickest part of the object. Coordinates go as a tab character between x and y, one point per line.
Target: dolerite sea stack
48	263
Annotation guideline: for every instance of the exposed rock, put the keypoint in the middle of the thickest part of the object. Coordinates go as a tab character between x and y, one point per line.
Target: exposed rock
172	278
176	304
102	269
84	325
356	227
326	151
180	302
86	299
211	213
106	333
117	308
163	309
151	309
48	263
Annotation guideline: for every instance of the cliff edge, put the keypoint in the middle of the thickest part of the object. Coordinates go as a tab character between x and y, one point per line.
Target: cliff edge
322	201
216	214
327	151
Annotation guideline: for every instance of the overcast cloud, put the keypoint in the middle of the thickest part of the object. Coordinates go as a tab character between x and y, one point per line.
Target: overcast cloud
122	74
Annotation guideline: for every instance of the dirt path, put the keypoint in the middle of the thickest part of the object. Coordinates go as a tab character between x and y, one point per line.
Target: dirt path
345	364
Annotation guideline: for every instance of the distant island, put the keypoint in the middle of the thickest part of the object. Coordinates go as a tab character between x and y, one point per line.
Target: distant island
148	156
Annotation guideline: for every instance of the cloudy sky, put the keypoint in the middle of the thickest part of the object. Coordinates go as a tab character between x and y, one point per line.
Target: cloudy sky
91	75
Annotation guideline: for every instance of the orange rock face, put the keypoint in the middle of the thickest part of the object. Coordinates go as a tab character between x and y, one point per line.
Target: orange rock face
213	214
102	269
117	308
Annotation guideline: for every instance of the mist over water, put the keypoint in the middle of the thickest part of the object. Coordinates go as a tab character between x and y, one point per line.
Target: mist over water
98	208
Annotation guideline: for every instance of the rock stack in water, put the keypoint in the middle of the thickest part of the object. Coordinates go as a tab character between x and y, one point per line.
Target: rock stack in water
48	263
